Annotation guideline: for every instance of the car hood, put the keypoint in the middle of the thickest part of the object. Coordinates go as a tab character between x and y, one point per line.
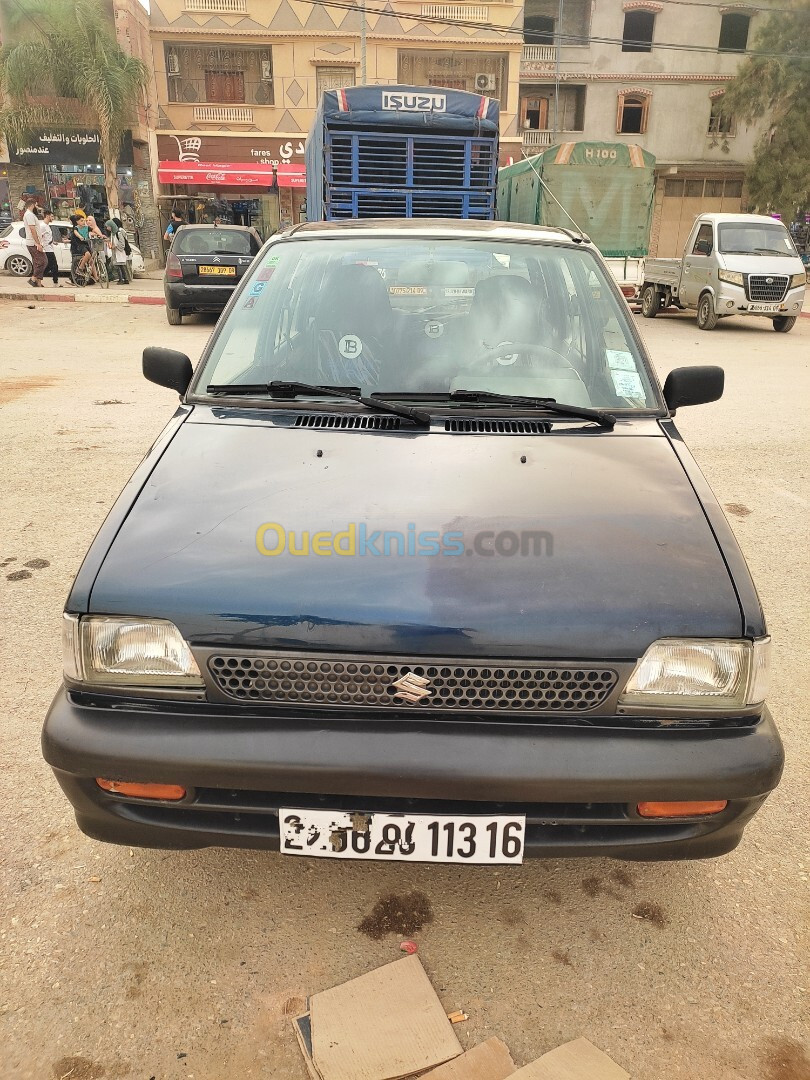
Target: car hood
627	555
762	264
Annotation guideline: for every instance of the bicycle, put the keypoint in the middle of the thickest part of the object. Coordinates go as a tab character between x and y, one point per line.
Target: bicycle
95	269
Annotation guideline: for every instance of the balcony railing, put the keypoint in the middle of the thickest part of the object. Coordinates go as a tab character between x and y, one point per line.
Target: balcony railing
225	114
216	7
543	54
460	12
533	139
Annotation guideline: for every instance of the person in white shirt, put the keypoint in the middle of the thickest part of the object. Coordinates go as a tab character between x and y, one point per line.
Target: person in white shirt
34	244
46	238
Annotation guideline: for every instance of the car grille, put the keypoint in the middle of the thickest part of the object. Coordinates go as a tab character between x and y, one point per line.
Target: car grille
766	290
368	682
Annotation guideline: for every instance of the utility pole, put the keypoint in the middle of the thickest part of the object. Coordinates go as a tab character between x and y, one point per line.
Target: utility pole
363	41
558	41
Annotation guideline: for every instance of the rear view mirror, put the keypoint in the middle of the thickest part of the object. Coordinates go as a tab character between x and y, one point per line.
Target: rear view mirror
693	386
166	367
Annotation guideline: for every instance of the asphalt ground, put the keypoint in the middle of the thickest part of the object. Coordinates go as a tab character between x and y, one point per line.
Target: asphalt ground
119	963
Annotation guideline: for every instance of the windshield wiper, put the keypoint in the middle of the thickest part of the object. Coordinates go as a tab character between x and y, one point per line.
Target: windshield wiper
775	251
603	419
280	389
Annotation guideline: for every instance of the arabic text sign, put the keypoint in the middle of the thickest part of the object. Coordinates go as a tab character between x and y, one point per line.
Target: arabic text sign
53	146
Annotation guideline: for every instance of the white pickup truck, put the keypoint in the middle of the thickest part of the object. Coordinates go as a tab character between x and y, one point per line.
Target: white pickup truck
733	264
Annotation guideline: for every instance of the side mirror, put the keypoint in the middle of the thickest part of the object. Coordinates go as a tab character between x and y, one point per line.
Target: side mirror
693	386
166	367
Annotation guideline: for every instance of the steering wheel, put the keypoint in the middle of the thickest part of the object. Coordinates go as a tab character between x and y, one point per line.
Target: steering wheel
486	360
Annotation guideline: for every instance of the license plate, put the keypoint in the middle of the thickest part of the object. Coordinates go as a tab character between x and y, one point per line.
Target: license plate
217	271
764	307
330	834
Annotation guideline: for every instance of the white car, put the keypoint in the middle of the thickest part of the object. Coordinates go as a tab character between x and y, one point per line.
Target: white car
15	259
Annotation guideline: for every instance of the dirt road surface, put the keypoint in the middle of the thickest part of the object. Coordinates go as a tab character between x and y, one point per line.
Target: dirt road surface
119	963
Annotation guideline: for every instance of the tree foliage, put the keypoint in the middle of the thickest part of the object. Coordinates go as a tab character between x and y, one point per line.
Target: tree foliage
773	82
67	50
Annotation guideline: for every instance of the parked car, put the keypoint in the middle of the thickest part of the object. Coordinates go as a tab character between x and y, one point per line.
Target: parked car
421	568
204	265
15	259
733	264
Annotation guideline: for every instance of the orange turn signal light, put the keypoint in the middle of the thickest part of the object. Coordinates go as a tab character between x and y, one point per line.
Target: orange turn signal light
143	791
680	809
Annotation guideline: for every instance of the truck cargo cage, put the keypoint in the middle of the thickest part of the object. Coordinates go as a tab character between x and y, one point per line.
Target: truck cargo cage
393	151
422	161
347	203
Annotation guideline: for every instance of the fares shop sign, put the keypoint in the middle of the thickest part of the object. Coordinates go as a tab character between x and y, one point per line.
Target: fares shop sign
195	149
54	146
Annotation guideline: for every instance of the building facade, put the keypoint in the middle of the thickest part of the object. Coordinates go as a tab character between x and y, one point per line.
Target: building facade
648	72
238	82
60	166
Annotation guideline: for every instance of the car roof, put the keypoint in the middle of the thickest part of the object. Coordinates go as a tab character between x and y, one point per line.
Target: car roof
211	225
754	218
438	228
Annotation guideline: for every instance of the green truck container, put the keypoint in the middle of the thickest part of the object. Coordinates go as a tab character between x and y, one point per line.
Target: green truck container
607	188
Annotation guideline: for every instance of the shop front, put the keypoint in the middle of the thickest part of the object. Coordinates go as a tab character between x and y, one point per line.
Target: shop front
61	170
242	180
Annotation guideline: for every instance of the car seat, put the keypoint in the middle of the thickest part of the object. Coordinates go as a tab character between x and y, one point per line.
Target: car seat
355	327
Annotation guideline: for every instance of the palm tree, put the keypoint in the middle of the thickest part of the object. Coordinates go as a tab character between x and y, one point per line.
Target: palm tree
66	51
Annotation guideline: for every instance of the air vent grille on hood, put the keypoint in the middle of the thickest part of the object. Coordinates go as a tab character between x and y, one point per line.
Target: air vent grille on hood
497	427
332	420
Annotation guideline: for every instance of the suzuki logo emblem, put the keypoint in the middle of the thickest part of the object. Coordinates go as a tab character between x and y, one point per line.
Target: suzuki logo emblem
412	688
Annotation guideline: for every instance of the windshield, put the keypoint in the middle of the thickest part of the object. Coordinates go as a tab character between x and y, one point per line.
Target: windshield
212	241
433	316
755	238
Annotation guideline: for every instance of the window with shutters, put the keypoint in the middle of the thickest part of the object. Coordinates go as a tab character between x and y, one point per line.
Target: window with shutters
632	114
333	78
720	123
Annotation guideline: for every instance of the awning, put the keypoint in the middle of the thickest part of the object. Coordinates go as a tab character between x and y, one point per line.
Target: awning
216	173
291	175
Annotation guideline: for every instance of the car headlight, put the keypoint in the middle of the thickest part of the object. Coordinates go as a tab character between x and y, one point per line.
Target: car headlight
128	652
700	674
798	279
733	277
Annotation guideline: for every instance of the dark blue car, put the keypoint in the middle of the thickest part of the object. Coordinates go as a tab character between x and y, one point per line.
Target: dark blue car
420	569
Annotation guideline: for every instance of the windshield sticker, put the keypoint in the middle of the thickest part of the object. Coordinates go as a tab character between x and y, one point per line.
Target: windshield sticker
619	360
257	287
628	384
274	260
434	329
265	273
407	290
350	346
459	292
250	302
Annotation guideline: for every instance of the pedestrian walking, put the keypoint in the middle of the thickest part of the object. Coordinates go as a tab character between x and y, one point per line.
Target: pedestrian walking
119	246
47	239
34	244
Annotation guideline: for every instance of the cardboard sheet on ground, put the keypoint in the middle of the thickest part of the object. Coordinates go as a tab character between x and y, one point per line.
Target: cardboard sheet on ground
489	1060
577	1060
384	1025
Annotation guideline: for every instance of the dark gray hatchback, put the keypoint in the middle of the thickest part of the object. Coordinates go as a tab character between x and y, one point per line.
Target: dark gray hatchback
420	569
204	266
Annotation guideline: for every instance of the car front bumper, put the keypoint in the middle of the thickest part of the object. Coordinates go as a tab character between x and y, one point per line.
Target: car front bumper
731	300
577	786
197	297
